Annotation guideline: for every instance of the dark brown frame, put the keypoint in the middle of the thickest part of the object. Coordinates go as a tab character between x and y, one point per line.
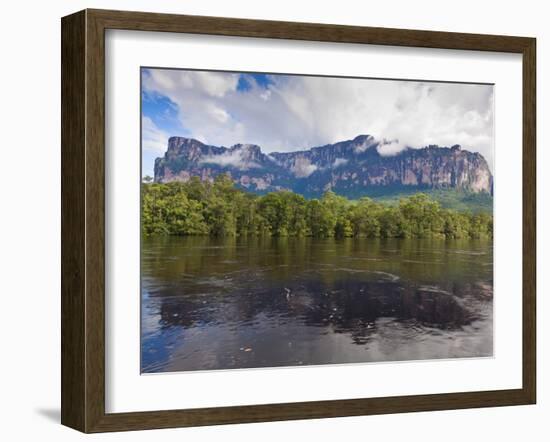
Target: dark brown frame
83	216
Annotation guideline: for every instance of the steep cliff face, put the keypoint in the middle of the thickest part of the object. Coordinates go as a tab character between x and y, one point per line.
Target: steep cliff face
352	168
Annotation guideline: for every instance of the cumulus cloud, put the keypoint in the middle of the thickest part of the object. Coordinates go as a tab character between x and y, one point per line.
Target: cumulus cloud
298	112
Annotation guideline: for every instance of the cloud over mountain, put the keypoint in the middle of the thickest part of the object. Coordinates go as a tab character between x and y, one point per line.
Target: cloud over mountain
344	167
288	113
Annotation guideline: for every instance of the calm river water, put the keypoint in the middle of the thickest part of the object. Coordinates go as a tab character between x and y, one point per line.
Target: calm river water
265	302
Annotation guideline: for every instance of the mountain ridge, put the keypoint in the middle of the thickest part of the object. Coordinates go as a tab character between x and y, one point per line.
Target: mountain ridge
351	167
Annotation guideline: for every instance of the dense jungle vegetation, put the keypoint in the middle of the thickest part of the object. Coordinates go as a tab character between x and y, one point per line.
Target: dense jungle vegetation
220	209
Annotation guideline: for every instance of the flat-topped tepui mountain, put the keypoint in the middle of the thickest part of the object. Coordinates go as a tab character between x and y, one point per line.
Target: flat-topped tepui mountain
352	168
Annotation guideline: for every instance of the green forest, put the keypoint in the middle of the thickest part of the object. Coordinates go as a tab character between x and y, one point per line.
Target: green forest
220	209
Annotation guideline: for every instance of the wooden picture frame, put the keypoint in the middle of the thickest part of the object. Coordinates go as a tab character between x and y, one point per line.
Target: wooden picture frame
83	220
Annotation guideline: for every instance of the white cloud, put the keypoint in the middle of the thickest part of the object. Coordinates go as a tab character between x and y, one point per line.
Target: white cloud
390	148
216	84
302	167
368	142
339	162
153	139
265	95
235	158
218	114
298	112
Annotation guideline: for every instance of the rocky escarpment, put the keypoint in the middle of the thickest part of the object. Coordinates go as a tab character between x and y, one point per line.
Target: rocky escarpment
352	168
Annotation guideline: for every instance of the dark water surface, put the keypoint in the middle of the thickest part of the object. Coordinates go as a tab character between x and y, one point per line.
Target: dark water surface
266	302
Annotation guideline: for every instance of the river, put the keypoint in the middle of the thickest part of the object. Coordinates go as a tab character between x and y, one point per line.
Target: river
230	303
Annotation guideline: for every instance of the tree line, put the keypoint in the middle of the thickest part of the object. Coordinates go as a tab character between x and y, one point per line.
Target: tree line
219	209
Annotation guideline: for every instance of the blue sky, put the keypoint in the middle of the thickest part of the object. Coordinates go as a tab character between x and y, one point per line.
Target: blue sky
289	112
246	82
164	117
160	115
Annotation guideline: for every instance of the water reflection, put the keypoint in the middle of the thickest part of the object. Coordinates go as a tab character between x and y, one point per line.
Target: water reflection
210	304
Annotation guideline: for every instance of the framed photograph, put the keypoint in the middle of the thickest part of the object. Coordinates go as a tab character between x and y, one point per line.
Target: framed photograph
270	220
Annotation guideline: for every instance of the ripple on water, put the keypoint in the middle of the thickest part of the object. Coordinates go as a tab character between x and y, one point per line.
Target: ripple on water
469	252
340	306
